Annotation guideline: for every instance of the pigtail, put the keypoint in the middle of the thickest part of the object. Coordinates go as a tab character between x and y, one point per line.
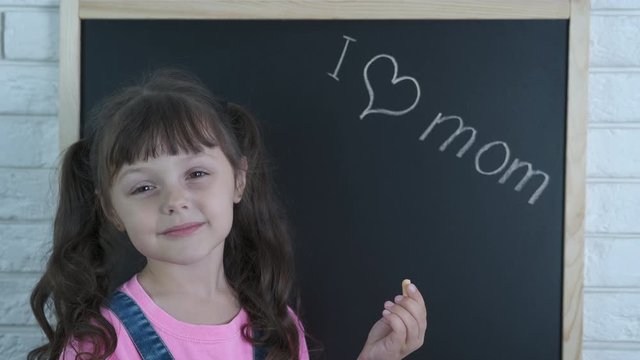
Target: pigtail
259	254
75	282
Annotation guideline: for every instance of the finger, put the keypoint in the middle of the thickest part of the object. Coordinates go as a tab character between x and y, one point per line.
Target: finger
417	310
403	309
415	294
398	336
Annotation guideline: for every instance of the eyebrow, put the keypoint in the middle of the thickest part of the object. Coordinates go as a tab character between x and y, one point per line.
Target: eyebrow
138	169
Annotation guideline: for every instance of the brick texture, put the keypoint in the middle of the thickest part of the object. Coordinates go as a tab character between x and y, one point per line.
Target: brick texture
31	35
613	152
27	194
14	304
614	41
615	4
24	246
16	345
30	89
611	261
614	97
611	316
604	354
30	2
613	207
29	141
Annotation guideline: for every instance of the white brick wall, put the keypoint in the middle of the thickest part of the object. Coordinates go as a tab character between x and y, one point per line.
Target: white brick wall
609	153
614	94
38	3
28	153
29	88
613	4
24	246
31	35
28	143
612	243
612	261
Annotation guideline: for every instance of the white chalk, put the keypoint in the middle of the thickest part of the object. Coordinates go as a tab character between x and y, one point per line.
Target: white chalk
405	285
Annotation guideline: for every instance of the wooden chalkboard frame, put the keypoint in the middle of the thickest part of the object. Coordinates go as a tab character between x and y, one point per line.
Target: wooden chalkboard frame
576	11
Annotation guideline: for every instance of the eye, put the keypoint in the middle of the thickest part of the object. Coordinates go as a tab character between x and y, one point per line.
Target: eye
141	189
198	173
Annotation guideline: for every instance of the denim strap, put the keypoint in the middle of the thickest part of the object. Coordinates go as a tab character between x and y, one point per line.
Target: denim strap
148	343
259	352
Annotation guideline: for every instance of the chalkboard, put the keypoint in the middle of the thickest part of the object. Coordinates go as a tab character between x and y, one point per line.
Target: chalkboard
375	193
425	149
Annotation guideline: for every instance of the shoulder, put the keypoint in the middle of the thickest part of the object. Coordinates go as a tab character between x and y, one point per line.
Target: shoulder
77	346
304	351
124	346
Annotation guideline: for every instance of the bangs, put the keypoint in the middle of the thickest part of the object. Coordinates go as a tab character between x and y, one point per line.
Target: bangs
161	124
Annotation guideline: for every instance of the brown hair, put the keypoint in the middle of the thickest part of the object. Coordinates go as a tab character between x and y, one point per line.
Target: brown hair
170	112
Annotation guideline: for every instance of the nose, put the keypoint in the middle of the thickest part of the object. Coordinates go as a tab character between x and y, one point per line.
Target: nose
176	199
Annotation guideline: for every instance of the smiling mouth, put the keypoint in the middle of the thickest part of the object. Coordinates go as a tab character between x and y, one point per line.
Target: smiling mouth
184	231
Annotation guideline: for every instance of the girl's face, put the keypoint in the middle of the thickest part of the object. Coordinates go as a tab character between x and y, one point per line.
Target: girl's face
193	192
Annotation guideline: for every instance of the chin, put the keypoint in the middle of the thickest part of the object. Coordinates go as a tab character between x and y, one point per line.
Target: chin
192	256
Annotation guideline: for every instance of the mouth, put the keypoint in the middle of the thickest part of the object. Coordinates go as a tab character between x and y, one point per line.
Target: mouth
182	230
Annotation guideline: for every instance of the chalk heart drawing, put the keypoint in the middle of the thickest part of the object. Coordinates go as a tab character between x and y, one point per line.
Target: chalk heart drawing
394	81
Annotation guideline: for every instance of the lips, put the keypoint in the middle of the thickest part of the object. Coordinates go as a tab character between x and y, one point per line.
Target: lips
183	230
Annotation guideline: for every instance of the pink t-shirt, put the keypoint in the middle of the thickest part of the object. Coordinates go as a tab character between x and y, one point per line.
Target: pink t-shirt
184	340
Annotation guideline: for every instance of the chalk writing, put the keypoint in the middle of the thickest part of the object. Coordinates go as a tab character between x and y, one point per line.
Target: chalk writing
394	81
516	164
344	51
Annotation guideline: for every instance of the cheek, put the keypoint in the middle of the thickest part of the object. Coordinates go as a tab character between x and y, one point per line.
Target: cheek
218	207
136	217
218	195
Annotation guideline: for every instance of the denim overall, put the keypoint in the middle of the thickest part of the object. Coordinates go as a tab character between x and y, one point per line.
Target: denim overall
147	341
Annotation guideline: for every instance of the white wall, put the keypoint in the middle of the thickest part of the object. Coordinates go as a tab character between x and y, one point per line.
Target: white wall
612	243
29	31
28	149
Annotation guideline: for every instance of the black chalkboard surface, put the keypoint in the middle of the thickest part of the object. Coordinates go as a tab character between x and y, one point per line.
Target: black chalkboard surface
361	119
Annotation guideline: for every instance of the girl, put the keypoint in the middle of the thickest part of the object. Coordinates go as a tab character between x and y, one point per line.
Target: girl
184	178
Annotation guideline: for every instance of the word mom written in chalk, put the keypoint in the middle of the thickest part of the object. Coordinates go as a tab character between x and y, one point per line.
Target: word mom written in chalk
515	165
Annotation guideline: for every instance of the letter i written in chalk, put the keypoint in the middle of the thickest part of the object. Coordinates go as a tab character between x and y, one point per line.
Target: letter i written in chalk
344	51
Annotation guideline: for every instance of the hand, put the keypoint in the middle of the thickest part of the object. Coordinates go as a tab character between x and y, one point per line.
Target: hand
401	329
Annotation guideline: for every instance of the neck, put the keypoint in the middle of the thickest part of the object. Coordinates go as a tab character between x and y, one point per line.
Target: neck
204	280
